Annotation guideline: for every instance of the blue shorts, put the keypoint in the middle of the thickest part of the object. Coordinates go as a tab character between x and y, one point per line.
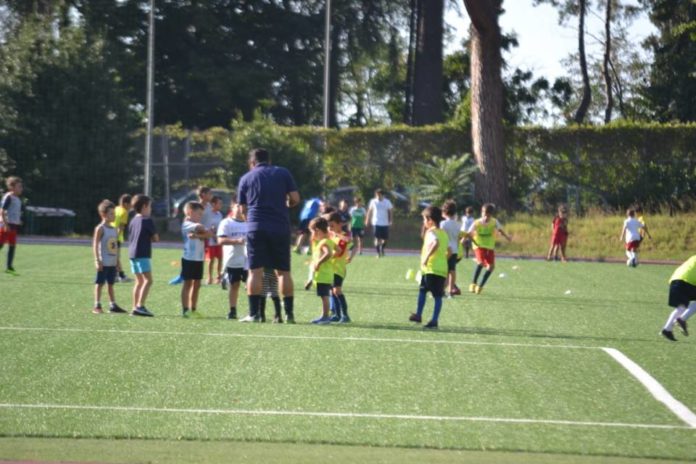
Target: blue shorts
140	265
268	250
106	275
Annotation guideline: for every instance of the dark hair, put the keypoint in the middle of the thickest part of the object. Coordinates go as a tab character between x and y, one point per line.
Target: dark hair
193	206
202	190
328	209
333	217
140	201
630	212
490	208
449	208
469	210
379	192
638	209
105	206
215	199
434	213
125	199
259	155
319	223
356	199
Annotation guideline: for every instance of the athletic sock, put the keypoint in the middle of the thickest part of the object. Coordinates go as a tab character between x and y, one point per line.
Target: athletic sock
672	318
344	304
421	301
122	275
438	307
262	307
97	304
335	305
379	250
486	275
288	303
254	305
688	312
276	306
477	273
384	245
10	256
112	304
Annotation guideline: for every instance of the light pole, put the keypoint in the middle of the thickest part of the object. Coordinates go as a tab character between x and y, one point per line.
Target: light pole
327	59
150	98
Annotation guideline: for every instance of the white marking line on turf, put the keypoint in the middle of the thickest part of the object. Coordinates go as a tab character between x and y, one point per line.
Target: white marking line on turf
299	337
342	415
654	387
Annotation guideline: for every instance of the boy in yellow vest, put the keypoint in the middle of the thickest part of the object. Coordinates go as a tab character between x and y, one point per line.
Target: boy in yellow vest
343	254
434	256
682	297
322	251
482	234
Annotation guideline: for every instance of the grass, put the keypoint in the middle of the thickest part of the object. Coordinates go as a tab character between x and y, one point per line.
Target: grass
523	349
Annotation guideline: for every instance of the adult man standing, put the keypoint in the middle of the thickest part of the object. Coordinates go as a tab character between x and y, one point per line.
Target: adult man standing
379	214
266	193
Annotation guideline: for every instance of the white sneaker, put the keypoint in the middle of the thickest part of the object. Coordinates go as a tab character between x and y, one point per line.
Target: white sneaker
249	318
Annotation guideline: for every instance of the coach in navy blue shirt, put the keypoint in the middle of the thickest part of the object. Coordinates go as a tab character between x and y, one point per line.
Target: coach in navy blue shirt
266	193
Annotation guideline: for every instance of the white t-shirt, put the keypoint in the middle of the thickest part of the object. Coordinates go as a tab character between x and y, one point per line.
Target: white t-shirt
633	227
215	220
194	248
380	211
452	227
233	256
467	222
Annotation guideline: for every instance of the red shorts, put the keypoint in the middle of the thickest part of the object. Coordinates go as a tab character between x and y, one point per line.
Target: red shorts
213	251
559	239
485	256
8	235
633	246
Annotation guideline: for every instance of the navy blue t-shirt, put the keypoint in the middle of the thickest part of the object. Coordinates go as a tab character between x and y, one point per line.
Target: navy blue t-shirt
140	232
264	191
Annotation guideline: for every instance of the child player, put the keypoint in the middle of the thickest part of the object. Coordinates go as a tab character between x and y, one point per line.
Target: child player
195	235
434	254
357	222
464	239
482	234
631	234
340	259
231	235
141	234
213	250
11	220
682	297
452	227
121	223
106	260
559	235
322	250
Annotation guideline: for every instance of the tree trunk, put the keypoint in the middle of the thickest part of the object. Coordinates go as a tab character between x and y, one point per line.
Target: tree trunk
427	88
487	102
410	61
606	65
335	75
581	112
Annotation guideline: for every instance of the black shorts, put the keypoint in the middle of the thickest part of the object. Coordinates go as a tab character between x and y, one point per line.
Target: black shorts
267	249
338	280
681	293
323	289
357	232
106	275
191	270
434	284
236	274
452	262
303	228
382	232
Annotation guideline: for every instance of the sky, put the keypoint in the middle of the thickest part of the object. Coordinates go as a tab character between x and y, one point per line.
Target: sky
543	43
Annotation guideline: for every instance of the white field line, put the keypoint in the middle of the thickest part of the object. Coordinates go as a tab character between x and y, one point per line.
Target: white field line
654	387
342	415
296	337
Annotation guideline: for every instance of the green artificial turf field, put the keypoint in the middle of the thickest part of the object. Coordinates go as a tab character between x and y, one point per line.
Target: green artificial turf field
519	368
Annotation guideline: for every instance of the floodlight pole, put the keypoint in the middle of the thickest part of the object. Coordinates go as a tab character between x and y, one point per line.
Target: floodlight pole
150	98
327	59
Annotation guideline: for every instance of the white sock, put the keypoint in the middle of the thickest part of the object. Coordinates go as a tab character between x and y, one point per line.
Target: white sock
672	318
687	313
628	254
310	276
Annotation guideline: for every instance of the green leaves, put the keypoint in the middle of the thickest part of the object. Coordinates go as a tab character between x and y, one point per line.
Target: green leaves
446	178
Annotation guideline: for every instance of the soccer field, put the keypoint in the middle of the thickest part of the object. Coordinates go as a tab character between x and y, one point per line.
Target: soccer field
524	367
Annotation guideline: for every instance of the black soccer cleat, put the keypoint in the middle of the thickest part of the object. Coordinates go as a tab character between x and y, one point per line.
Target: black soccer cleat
683	326
668	335
116	309
432	325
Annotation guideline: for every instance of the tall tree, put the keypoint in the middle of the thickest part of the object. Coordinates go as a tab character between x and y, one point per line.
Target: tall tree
427	73
606	71
487	101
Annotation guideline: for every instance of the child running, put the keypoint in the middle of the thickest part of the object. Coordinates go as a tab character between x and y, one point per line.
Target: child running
232	237
464	239
482	234
343	254
322	250
631	234
195	236
106	260
559	235
682	297
142	233
11	220
434	254
452	227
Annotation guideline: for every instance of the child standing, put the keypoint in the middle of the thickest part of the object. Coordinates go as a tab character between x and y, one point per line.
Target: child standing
11	220
357	222
464	240
195	235
434	254
141	233
213	250
105	249
559	235
631	234
120	223
232	237
322	250
452	227
340	259
682	297
482	234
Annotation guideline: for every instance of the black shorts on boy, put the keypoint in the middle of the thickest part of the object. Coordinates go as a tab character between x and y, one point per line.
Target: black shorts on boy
191	270
434	284
452	263
382	232
106	275
237	274
681	293
323	289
